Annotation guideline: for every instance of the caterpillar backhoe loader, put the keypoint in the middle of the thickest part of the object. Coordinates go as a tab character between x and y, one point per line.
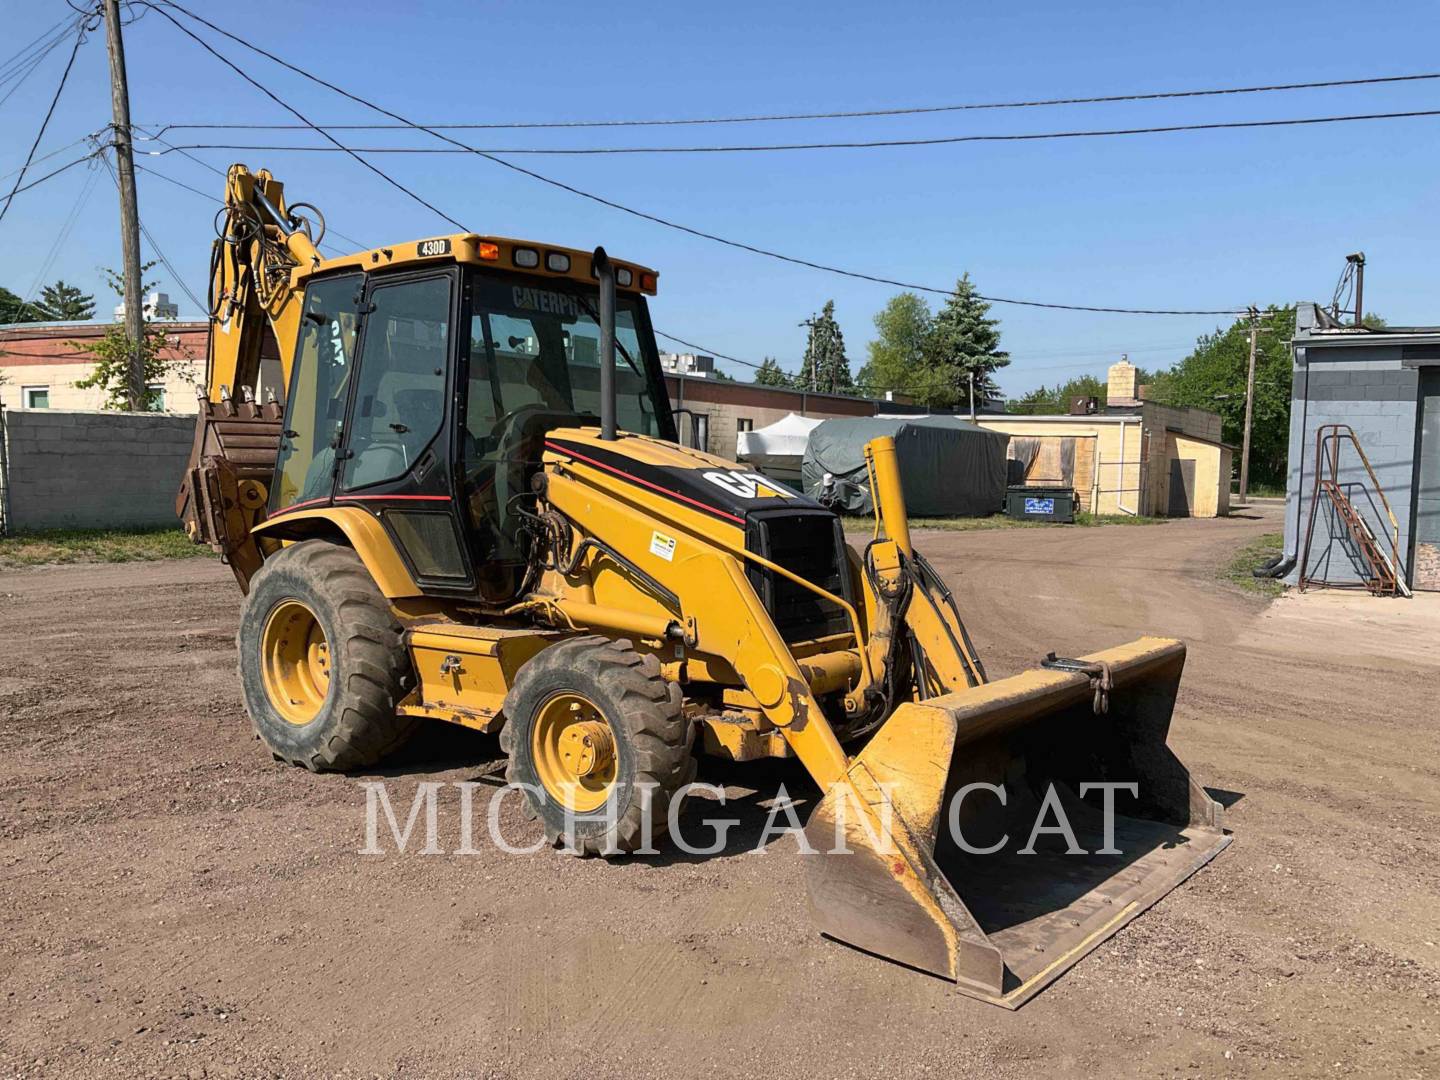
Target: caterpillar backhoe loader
446	477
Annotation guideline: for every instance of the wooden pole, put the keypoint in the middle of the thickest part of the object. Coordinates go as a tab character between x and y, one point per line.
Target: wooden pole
1249	406
129	211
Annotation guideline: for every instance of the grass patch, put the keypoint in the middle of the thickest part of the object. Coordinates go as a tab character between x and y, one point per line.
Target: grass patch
50	546
1000	521
1261	491
1260	550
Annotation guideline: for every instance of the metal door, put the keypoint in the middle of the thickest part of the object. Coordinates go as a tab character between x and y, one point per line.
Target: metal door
1427	484
1182	487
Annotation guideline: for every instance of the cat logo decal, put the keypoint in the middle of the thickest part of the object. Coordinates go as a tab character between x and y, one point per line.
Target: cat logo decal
747	485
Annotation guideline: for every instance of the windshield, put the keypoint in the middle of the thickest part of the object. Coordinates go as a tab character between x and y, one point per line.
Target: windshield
535	366
535	346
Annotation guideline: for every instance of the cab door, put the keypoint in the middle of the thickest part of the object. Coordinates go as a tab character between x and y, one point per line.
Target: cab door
394	455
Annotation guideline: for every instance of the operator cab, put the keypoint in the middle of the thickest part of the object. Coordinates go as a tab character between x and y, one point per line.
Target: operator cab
424	393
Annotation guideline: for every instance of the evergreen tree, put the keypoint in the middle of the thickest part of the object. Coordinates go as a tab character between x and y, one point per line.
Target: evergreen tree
14	310
964	340
825	368
66	302
769	373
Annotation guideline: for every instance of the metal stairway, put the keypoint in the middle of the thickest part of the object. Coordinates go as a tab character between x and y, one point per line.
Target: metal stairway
1380	570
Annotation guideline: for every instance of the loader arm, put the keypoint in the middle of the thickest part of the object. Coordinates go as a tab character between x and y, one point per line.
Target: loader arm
254	316
893	879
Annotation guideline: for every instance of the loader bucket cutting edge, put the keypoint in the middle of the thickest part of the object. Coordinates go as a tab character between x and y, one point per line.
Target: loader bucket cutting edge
1005	924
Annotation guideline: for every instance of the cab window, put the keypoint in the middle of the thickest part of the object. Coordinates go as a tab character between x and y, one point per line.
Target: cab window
400	397
319	386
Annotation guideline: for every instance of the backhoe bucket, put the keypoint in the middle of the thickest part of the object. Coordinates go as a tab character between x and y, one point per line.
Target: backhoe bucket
974	876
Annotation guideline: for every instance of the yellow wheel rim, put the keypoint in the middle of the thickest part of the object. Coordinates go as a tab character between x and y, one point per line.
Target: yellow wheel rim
573	747
295	662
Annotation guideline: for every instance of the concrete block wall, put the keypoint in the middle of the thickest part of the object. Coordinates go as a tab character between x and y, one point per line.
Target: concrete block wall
1368	388
93	469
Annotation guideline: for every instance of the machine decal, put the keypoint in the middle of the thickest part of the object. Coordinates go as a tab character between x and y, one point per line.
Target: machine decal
662	546
747	485
546	301
727	493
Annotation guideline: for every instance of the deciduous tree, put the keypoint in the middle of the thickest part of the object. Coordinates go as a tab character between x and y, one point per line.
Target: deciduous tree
897	355
1213	377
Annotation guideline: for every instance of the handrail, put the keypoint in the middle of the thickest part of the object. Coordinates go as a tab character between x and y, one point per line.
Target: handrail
1349	433
1327	453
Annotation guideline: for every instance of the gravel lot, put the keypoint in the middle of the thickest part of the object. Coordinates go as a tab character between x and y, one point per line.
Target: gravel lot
175	903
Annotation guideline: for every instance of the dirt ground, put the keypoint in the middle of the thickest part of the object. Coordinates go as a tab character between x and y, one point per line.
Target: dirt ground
175	903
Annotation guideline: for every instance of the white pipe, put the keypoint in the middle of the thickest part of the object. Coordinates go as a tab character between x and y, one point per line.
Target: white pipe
1120	491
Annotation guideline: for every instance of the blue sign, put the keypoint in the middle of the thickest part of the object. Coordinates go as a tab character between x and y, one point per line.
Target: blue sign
1040	506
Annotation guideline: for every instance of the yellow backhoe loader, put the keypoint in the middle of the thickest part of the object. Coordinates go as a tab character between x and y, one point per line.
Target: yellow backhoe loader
446	476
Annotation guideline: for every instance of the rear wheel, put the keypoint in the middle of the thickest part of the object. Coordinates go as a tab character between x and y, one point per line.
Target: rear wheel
594	733
323	662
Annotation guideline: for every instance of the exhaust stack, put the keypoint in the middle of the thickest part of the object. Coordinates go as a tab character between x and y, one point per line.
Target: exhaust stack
605	271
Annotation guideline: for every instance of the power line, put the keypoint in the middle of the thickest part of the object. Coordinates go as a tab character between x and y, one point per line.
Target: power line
20	68
703	350
179	280
171	180
47	176
62	237
751	364
55	100
20	55
844	115
53	153
871	144
358	246
643	215
181	150
301	116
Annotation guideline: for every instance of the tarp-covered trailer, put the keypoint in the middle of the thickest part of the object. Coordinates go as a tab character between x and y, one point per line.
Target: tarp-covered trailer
949	467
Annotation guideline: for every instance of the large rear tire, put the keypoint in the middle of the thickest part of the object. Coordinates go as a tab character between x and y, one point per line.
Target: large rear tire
594	732
323	661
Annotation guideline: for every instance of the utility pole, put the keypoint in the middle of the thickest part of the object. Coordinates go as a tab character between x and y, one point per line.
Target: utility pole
129	212
972	394
1249	404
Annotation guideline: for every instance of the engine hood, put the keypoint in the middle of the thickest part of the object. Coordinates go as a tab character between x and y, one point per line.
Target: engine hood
724	489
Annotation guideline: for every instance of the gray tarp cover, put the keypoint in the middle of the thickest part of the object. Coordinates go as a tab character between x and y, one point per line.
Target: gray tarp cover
948	466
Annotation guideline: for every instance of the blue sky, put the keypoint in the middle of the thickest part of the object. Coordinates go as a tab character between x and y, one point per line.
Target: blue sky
1211	219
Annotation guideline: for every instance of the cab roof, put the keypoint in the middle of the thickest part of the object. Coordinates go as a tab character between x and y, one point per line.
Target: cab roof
499	252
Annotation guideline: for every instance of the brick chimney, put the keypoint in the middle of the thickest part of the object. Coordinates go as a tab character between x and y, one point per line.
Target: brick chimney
1122	389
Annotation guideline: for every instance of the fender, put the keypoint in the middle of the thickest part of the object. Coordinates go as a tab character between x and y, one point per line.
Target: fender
365	534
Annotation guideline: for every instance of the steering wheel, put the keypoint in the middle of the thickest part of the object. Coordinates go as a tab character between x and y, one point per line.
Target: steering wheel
505	462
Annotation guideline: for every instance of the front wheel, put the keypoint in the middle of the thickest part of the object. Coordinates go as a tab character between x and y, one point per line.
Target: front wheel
595	733
323	661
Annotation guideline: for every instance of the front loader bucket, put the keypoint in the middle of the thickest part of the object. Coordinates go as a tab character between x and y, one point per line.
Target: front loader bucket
1005	923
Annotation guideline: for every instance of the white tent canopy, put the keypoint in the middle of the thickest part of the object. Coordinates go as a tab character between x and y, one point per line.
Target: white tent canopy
778	448
784	439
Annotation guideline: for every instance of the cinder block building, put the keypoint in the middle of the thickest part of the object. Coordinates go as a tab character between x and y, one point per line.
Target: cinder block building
1384	385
